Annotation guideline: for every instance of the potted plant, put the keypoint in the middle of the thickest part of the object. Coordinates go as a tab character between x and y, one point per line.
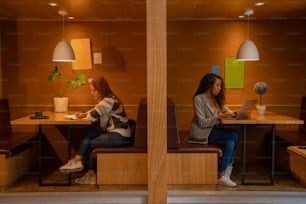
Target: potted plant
261	89
61	101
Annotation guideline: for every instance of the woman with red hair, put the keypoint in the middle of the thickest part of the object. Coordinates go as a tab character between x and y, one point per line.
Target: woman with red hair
113	129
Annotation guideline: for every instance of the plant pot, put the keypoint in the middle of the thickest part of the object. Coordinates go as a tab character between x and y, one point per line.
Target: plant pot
261	109
60	104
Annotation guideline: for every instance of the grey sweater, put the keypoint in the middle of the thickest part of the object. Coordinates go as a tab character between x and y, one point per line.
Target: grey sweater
205	118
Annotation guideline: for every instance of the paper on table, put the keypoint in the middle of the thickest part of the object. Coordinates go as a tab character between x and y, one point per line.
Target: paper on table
70	116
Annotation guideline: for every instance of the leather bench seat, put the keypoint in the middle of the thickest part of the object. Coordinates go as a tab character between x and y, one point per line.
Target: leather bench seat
139	136
128	165
127	149
176	139
17	149
197	148
291	138
13	144
284	139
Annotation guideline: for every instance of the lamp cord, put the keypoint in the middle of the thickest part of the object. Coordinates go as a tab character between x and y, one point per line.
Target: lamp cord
248	28
63	26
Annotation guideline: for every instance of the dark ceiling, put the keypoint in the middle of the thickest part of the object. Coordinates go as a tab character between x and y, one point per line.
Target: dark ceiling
103	10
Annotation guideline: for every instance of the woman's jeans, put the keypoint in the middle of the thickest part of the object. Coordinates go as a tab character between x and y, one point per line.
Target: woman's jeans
98	138
227	139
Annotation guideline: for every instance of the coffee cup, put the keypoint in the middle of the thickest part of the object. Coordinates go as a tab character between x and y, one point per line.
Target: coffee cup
38	114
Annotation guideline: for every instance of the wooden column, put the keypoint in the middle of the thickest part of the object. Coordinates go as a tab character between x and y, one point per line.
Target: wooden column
1	77
157	101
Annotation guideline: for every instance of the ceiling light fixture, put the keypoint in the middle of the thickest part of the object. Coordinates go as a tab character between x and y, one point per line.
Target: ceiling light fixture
259	3
53	4
63	51
248	50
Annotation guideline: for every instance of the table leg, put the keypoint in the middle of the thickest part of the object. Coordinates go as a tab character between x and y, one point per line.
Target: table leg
40	138
243	154
273	155
41	135
69	150
271	182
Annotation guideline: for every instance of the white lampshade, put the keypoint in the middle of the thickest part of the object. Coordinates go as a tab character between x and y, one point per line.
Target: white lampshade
63	52
247	52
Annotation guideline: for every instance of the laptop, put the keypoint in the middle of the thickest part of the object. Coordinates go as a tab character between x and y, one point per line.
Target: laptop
246	109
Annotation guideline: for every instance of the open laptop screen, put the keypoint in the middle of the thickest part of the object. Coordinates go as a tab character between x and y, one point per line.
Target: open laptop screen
246	109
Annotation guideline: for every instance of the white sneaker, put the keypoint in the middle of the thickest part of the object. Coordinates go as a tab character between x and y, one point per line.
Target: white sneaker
228	172
224	181
72	166
87	179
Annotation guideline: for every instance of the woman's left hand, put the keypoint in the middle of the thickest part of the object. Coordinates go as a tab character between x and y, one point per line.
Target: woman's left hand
80	115
226	115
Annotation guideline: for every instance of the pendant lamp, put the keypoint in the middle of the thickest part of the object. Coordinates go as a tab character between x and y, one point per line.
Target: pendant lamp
63	51
248	50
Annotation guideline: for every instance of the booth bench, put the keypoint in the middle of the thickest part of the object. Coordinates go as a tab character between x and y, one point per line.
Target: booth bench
298	137
285	139
186	163
17	149
297	156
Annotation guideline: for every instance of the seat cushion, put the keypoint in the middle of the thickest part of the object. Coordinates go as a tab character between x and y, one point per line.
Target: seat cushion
197	148
17	142
290	138
128	149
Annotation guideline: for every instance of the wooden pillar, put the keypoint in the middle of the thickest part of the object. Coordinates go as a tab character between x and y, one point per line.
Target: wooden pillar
1	77
157	100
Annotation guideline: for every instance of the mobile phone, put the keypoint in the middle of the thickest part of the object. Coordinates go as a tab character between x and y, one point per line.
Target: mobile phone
302	147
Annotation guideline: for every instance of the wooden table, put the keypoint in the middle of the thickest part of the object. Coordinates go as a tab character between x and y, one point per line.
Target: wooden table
270	118
54	119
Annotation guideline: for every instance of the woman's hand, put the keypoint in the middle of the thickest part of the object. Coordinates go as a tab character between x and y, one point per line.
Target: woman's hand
79	115
227	115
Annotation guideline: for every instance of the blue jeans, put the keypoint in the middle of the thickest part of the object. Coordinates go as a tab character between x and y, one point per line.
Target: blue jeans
98	138
227	139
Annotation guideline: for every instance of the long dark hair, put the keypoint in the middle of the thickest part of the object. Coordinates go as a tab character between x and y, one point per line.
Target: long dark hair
207	83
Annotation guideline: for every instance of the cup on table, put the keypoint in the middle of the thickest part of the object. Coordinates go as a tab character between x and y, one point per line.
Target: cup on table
38	114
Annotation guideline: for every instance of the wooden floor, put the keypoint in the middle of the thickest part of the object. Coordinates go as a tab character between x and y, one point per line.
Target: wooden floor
286	190
30	184
284	181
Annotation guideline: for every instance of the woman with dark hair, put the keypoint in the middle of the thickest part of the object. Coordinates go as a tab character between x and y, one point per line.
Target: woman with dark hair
113	129
208	104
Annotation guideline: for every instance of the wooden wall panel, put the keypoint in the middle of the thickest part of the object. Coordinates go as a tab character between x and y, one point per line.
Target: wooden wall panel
27	49
194	46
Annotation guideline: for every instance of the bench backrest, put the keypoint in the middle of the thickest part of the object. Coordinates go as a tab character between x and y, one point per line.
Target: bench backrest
173	137
5	127
173	140
140	140
302	128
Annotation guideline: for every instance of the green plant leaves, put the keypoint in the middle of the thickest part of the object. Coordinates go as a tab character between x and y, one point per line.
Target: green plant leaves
261	88
80	80
54	74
